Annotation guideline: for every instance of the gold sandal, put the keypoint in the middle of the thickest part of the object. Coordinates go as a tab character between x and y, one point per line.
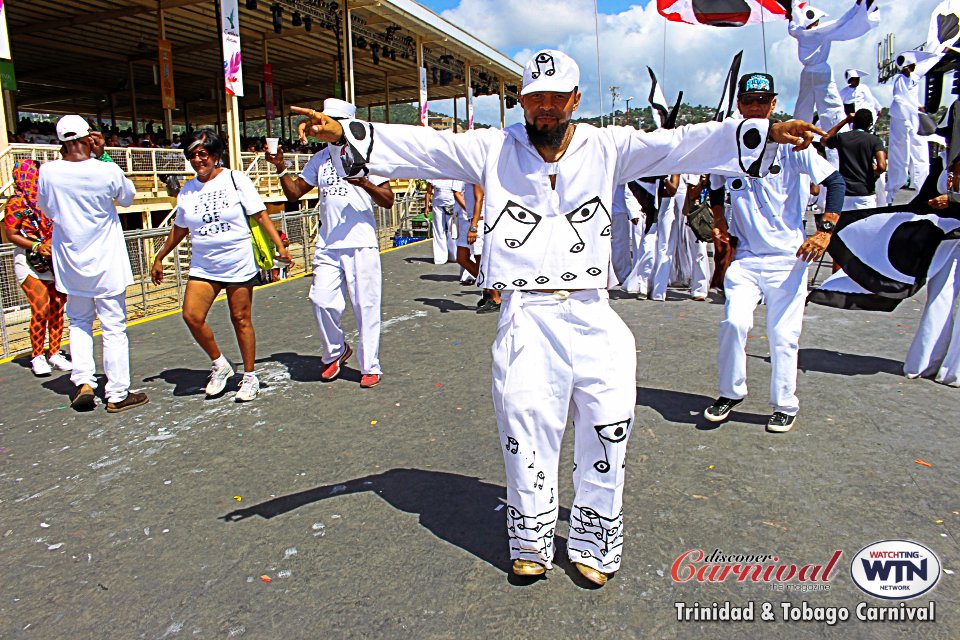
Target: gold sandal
593	575
528	568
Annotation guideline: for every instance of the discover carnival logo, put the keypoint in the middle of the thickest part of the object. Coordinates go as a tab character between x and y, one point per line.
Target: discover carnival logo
766	567
895	569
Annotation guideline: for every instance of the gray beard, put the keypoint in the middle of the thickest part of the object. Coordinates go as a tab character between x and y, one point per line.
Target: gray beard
550	139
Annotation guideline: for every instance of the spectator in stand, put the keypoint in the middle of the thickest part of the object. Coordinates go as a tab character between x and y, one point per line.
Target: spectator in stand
90	261
213	209
31	231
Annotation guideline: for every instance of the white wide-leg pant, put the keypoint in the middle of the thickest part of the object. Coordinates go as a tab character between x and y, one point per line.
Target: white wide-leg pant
908	155
855	203
444	239
935	350
700	264
669	219
552	357
356	272
783	286
640	278
112	312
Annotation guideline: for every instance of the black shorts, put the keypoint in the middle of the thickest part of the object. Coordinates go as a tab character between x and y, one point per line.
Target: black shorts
252	282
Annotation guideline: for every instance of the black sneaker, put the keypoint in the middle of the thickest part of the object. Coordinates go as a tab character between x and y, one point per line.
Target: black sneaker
780	422
720	409
483	300
489	306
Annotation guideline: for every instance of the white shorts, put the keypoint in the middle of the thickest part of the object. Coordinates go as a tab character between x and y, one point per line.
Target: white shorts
22	268
464	226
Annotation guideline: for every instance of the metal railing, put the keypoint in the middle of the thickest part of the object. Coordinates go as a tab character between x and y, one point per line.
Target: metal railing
144	298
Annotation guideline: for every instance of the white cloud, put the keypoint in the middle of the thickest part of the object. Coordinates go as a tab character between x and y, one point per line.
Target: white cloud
697	57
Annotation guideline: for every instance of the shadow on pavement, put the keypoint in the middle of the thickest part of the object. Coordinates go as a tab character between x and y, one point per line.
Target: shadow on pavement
446	306
307	368
186	382
440	277
461	510
418	260
687	408
848	364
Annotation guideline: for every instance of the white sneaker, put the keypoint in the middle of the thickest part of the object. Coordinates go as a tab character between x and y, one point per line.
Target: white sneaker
218	379
40	366
249	389
60	361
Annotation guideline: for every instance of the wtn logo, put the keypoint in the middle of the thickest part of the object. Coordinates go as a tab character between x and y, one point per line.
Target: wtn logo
895	569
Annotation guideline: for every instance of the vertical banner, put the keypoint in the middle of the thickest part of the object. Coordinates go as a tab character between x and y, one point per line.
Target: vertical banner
8	79
4	38
470	98
423	96
165	57
230	33
268	92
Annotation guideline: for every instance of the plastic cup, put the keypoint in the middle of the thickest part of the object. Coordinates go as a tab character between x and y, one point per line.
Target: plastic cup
272	145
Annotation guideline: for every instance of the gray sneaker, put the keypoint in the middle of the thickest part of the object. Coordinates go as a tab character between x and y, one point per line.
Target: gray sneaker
249	389
218	379
780	422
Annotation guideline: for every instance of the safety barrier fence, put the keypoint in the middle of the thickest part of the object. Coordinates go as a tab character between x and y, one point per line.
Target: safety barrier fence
146	299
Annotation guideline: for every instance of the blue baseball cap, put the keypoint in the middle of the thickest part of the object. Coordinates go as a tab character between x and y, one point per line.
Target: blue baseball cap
758	83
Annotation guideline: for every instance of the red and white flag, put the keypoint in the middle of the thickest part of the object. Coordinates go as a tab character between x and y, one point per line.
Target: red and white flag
724	13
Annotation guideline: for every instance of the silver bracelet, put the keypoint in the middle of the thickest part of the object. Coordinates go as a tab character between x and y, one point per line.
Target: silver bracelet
284	172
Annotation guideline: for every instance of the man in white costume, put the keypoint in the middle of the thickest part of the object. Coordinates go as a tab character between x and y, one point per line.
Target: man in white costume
908	156
441	200
80	195
560	349
859	95
347	256
770	263
640	278
621	234
672	229
817	89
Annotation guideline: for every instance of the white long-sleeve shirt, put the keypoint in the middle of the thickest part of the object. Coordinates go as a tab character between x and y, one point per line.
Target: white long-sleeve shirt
906	98
861	97
544	237
813	45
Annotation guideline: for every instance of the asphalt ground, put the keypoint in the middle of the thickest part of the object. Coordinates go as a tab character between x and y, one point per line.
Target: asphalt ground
322	510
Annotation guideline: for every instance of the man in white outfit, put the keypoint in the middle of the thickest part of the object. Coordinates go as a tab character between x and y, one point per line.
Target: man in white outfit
79	194
640	278
441	199
908	155
770	262
560	350
347	256
817	89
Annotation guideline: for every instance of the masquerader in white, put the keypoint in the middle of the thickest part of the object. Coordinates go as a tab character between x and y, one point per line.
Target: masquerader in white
548	187
856	95
441	200
817	88
347	255
770	262
79	194
908	155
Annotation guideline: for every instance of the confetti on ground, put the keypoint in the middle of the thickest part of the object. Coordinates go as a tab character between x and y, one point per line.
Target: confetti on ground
396	404
710	467
923	462
456	344
44	525
438	385
292	551
266	578
938	521
373	422
238	498
949	572
286	573
54	547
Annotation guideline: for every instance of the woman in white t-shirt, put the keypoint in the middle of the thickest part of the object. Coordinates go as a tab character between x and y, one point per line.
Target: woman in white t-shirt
213	208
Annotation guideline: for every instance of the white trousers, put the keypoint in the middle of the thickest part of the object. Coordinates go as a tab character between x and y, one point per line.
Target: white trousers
699	262
553	358
854	203
935	350
640	278
444	236
356	272
908	156
116	349
818	92
669	219
621	249
783	286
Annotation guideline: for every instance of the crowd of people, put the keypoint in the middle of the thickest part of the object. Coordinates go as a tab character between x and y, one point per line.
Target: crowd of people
544	217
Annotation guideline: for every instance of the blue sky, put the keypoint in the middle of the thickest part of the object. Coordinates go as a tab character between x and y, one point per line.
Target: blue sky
634	35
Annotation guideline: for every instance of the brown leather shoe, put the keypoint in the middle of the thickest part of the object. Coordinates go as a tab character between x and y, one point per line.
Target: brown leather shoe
85	399
132	400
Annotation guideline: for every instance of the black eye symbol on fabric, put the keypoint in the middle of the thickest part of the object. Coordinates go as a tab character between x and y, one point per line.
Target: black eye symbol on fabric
515	223
610	433
544	65
587	214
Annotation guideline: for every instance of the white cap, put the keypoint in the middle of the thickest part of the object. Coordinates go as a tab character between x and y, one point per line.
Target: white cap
855	73
338	108
550	70
907	58
808	14
72	127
